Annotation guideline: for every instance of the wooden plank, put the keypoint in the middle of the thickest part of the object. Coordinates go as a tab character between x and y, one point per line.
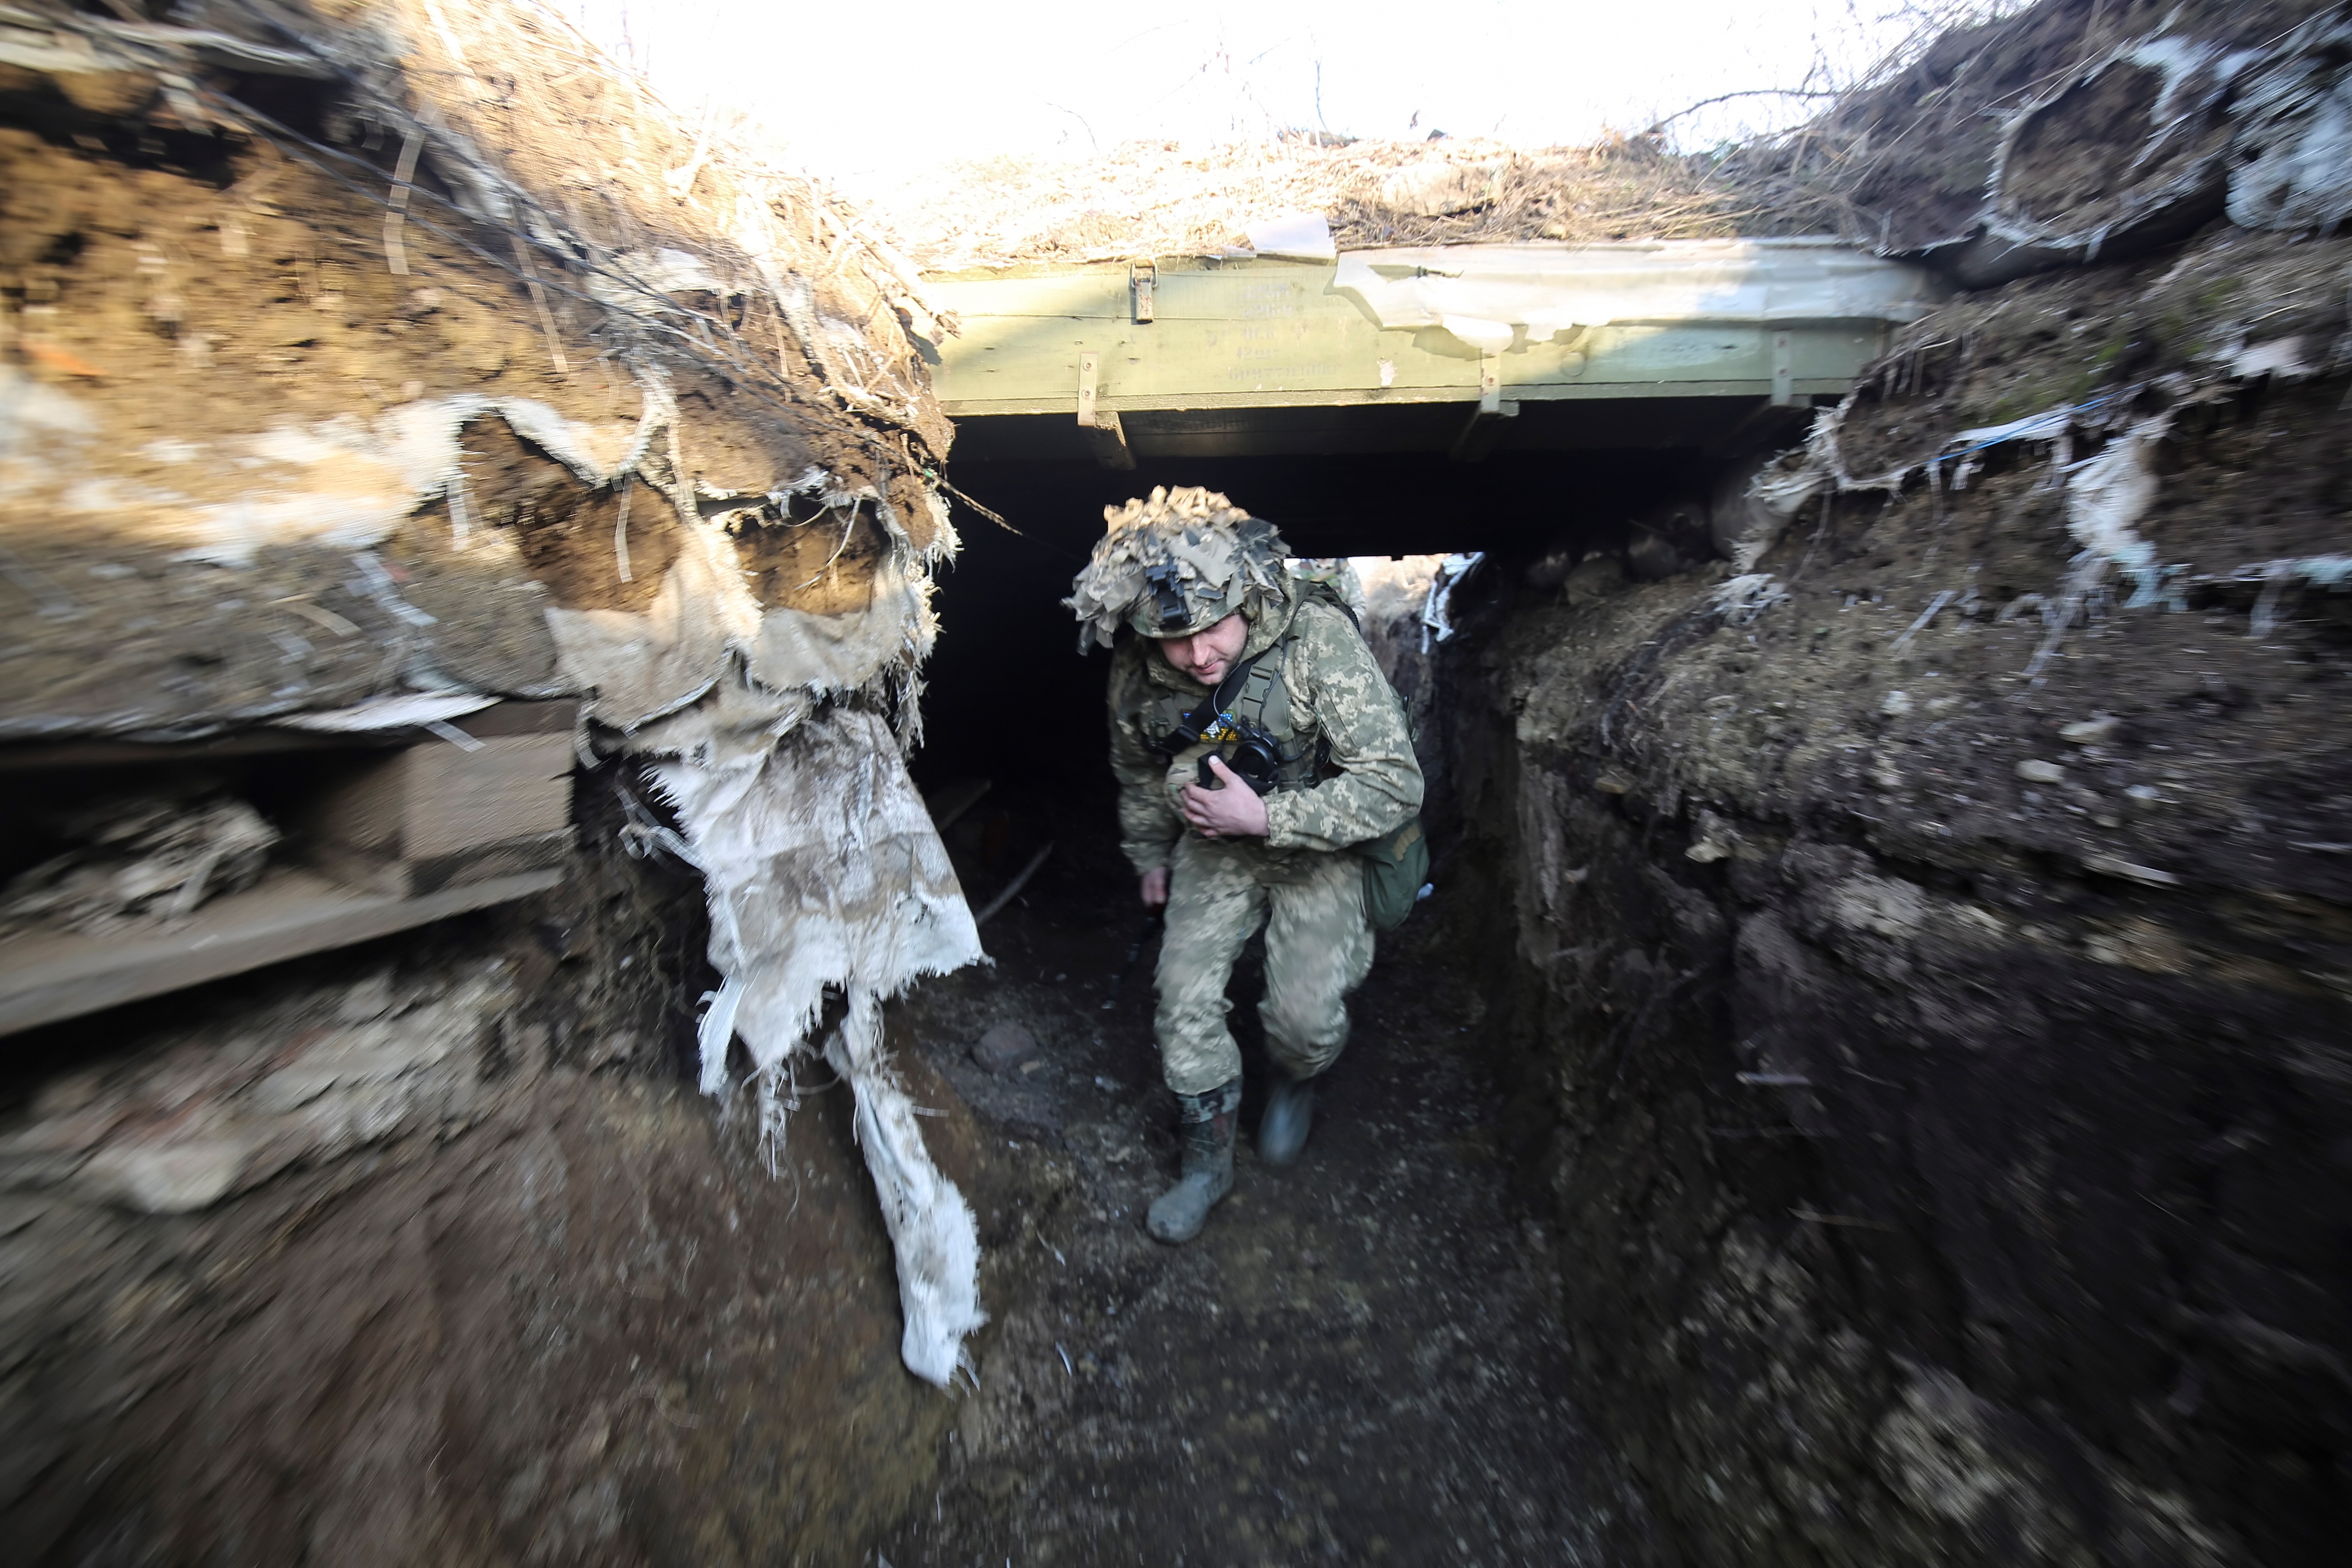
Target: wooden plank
44	978
510	787
1241	367
1107	435
1484	431
1374	397
558	716
1275	334
1100	296
244	743
512	718
439	798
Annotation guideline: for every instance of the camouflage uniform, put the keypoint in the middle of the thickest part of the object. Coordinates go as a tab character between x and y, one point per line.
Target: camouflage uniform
1297	878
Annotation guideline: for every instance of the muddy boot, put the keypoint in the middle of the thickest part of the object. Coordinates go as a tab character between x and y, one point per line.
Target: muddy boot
1178	1214
1289	1112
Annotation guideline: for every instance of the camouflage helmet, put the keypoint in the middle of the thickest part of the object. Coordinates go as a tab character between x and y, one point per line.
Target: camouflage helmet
1174	564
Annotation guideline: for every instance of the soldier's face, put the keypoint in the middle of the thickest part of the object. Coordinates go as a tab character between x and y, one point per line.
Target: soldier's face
1207	655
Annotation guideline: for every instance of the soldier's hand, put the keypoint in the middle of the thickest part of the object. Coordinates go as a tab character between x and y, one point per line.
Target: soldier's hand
1233	812
1155	886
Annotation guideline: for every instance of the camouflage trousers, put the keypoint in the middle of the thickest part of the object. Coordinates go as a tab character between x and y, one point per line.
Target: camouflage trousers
1318	949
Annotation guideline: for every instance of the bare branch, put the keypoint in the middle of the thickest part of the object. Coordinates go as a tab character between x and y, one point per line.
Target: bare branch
1660	126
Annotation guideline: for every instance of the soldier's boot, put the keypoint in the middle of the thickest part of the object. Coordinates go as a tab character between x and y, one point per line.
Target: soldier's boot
1289	1112
1207	1130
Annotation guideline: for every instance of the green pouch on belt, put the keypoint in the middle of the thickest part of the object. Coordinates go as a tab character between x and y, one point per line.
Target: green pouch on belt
1396	868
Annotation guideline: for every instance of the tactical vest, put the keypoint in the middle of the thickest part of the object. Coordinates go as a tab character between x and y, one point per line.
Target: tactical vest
1262	701
1396	865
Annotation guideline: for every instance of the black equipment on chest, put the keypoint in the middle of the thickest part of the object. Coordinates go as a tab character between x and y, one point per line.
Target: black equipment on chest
1396	864
1248	715
1235	716
1256	760
1213	713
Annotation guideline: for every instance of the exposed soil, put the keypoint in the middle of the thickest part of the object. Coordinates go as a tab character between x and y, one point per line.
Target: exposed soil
2081	151
514	1294
1881	1060
250	287
1356	1361
821	565
505	1290
205	328
2005	353
1906	164
573	541
1939	1062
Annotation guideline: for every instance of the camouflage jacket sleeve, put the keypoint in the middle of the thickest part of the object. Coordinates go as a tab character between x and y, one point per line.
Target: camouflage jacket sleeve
1330	671
1148	822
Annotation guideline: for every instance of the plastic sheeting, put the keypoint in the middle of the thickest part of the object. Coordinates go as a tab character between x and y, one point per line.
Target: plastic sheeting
2264	133
823	874
825	877
643	664
2107	495
2175	182
824	871
1751	506
1304	235
932	1230
1451	573
396	712
348	481
826	881
2292	151
1498	297
2333	572
2105	498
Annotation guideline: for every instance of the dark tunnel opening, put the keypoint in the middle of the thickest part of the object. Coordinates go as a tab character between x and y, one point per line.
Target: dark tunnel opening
1007	696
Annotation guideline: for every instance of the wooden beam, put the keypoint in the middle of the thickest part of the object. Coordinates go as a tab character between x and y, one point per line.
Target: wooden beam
1109	438
421	816
456	817
44	978
1359	397
1269	334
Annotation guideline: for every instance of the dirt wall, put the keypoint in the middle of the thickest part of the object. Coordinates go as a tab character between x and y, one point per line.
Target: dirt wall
355	353
488	1282
1931	986
356	299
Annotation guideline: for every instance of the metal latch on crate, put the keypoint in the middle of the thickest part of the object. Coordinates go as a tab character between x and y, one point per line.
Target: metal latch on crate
1142	278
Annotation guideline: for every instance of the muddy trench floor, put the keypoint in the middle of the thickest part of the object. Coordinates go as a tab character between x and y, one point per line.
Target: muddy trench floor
1358	1360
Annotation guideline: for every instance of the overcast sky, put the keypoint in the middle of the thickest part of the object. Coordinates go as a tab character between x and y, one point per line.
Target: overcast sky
864	90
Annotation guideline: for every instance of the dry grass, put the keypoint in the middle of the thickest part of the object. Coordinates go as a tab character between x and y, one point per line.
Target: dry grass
1905	159
1900	160
1148	199
1160	199
494	125
594	160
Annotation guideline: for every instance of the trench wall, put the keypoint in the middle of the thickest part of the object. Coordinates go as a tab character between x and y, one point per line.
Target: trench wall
427	1251
490	1283
1937	1067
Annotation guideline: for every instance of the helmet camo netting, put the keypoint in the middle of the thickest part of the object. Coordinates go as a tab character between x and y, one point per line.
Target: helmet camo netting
1183	560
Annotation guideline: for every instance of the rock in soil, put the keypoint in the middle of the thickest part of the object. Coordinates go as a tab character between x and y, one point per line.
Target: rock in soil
1004	1047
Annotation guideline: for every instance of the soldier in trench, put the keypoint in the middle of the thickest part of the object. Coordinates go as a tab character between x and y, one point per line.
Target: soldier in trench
1256	743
